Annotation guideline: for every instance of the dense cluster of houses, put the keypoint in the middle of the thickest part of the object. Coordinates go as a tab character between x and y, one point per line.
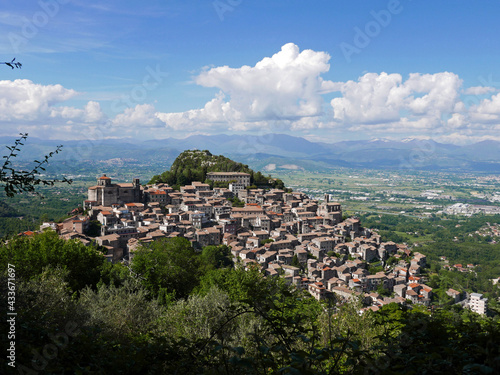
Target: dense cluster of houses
305	241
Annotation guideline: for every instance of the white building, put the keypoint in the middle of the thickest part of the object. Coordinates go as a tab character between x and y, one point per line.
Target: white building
478	304
238	177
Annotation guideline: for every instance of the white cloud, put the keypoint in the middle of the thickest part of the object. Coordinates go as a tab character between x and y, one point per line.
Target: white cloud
90	114
467	137
485	114
26	106
488	106
479	90
440	93
385	103
374	98
285	87
24	100
285	92
141	116
457	121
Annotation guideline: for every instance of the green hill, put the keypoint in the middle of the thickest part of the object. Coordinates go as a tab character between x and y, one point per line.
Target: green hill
193	165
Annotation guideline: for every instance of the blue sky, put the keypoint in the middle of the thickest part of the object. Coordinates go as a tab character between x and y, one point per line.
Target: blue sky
326	70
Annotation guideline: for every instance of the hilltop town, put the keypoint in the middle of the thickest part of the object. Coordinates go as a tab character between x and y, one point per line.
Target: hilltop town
306	241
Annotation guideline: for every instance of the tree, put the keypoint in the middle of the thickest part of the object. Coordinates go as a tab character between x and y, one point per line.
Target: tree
18	181
120	311
31	254
295	262
167	266
216	257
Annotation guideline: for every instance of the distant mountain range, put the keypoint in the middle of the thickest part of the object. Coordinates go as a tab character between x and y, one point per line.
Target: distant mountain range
280	151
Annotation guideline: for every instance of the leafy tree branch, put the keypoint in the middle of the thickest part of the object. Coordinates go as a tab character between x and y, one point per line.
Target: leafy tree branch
18	181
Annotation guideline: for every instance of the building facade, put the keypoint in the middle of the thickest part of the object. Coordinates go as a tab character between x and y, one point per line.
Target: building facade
239	177
105	193
477	303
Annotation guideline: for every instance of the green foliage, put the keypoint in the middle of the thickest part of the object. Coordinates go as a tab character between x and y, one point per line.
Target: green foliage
334	254
114	274
94	229
278	328
46	297
16	181
374	269
239	284
445	342
383	291
56	333
168	265
236	202
391	261
31	255
28	211
223	320
346	322
122	311
234	322
295	261
193	165
216	257
198	317
450	238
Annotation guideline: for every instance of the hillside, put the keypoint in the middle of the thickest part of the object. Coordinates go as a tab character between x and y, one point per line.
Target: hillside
193	165
279	149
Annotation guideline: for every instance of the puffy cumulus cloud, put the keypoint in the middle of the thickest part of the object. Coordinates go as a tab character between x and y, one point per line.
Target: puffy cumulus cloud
24	100
457	121
93	113
440	93
216	113
374	98
482	114
385	101
286	87
90	114
487	106
38	109
281	93
141	116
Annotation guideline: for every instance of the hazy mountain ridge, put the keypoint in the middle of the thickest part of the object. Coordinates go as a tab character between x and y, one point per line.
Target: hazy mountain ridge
282	149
